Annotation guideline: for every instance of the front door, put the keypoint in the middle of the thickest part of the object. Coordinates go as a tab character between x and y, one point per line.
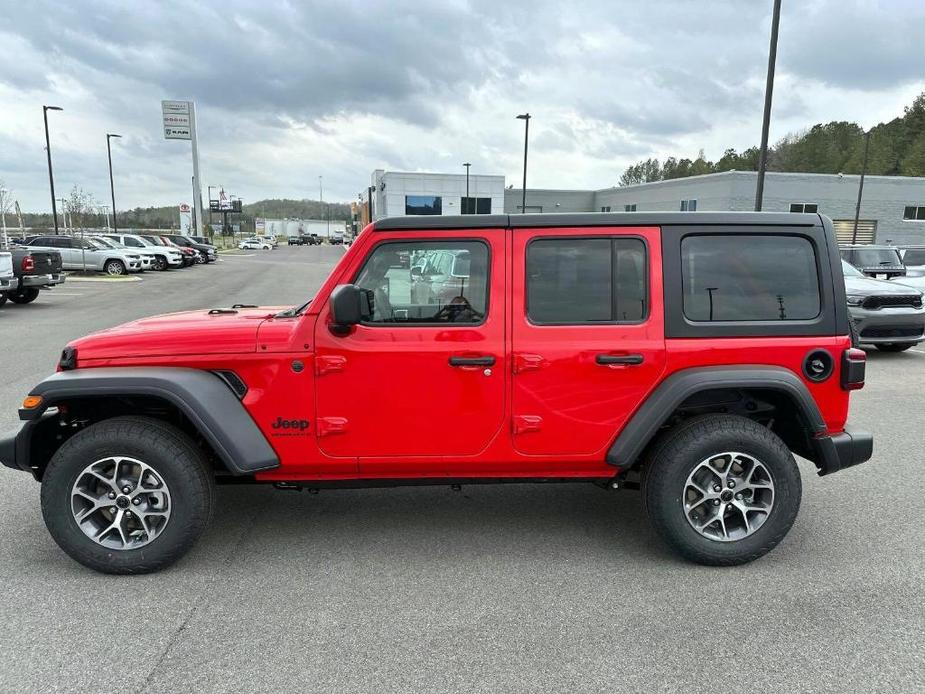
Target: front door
588	335
425	376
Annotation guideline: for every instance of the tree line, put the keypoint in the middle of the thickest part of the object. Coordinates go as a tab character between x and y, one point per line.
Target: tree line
83	211
897	148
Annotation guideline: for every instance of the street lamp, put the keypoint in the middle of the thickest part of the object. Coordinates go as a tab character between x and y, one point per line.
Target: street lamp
51	178
857	209
766	121
112	188
467	165
525	117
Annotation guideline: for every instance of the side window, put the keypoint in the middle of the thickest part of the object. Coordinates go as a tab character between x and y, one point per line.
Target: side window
427	282
749	278
573	281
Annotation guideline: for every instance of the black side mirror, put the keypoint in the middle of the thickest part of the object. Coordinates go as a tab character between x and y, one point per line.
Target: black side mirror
350	305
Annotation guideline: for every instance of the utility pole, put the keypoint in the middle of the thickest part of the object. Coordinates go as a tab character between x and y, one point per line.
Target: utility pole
857	209
525	117
112	187
51	178
766	122
467	165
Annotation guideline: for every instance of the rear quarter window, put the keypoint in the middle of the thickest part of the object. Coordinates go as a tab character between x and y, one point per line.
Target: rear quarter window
732	278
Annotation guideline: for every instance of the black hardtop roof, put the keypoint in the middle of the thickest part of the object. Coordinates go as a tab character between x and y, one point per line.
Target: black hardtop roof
597	219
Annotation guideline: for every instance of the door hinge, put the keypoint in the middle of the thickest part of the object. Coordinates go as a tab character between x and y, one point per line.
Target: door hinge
329	364
524	423
326	426
527	362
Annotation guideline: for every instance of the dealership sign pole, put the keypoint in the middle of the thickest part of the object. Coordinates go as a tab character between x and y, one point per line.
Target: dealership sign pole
180	124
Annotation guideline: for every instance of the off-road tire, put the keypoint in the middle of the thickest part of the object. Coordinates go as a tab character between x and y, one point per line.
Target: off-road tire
24	296
895	346
675	455
170	452
114	268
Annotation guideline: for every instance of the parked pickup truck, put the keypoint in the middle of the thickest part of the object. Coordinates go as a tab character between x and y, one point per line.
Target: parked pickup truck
33	271
687	354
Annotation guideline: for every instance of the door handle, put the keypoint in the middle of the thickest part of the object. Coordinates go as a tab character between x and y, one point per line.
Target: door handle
625	359
472	361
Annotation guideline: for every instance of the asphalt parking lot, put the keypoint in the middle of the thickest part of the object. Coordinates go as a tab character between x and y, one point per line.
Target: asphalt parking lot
555	588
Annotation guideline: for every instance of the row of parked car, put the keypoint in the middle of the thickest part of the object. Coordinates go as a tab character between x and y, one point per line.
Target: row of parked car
34	263
885	286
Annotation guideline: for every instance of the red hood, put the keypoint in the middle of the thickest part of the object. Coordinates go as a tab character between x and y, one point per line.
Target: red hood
189	332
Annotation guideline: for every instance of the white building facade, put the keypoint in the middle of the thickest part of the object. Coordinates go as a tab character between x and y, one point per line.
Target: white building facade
398	193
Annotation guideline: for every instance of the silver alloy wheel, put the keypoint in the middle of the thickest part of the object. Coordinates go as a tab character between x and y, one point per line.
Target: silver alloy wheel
728	496
114	267
120	503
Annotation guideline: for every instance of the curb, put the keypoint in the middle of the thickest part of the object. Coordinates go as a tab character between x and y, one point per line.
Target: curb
92	278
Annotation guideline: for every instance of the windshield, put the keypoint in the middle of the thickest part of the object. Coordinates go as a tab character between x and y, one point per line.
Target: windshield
155	240
874	257
108	242
849	270
143	241
90	243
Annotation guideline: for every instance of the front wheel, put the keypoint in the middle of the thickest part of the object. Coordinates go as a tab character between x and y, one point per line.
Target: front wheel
721	490
114	268
160	263
24	296
128	495
895	346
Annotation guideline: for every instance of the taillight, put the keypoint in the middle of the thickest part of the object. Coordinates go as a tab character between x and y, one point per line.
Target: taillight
853	365
28	263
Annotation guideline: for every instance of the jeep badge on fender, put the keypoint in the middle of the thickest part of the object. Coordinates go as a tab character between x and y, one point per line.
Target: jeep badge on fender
689	355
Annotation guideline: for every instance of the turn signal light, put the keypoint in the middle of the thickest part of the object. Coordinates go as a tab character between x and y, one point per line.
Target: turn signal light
31	402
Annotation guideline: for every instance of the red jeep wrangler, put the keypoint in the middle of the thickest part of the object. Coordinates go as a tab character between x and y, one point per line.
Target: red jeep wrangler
689	354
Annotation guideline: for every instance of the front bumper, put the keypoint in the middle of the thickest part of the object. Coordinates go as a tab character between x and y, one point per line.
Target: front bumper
41	280
888	325
175	260
842	450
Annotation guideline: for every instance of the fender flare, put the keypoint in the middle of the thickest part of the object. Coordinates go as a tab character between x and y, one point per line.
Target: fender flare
670	393
202	396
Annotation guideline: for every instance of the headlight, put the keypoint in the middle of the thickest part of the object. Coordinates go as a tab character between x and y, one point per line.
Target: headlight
854	300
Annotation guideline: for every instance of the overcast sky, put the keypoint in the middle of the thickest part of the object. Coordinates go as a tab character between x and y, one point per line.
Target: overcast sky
288	91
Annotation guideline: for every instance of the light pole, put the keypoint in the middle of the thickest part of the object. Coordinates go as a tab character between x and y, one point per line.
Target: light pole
324	210
51	178
112	187
3	193
766	122
857	209
467	165
525	117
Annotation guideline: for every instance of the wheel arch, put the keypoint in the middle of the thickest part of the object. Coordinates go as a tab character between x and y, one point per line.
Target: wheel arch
203	402
759	392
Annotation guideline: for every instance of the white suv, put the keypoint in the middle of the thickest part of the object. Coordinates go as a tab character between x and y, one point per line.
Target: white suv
162	257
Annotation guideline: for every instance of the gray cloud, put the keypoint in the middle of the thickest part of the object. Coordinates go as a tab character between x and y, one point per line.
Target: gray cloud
287	90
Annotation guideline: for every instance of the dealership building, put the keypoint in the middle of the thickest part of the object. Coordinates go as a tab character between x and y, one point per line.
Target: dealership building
892	209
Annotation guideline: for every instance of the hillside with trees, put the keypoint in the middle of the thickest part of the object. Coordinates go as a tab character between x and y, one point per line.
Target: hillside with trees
897	148
82	209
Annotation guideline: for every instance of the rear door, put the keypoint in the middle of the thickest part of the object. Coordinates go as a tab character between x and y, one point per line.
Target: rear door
588	335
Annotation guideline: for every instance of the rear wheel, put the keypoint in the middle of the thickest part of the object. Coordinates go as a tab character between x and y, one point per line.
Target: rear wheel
895	346
127	495
721	489
24	296
114	268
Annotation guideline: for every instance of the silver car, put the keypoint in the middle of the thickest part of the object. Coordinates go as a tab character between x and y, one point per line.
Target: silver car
7	278
887	314
85	254
162	257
